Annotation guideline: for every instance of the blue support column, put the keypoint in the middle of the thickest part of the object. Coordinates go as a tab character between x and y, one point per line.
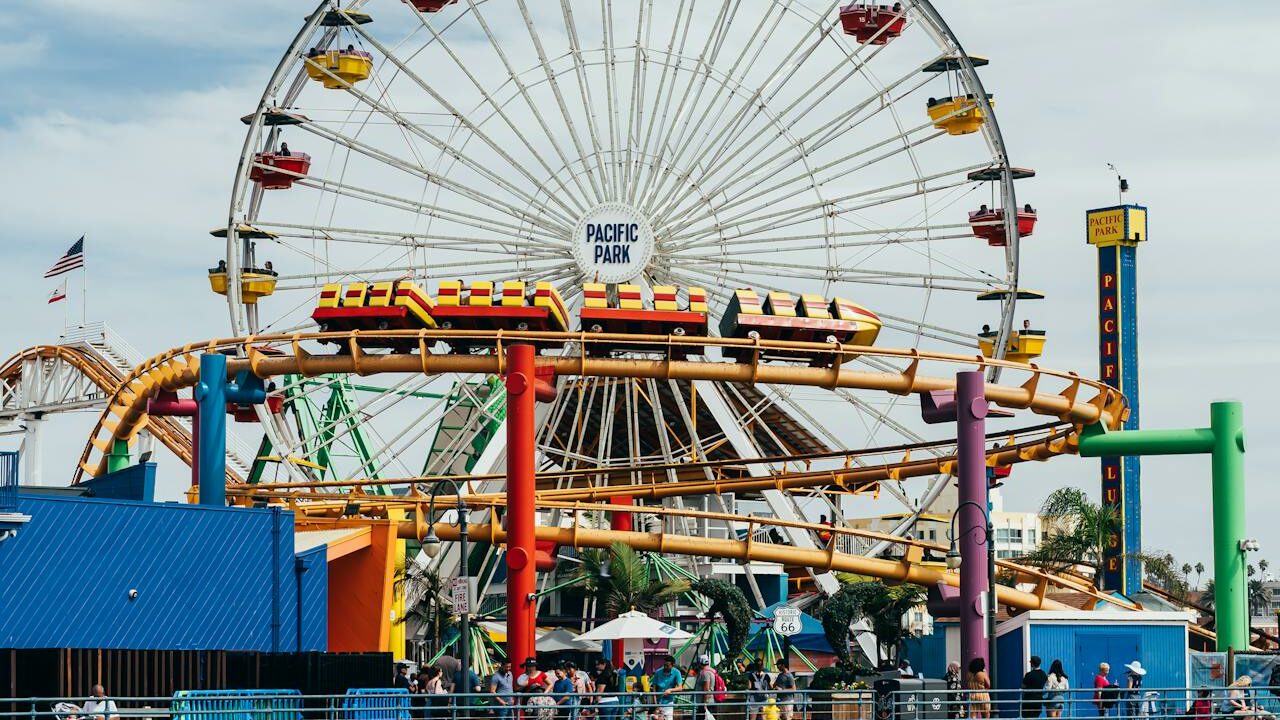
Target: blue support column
213	392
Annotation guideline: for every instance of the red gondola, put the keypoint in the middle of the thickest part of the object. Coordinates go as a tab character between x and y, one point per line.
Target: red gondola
429	6
875	24
278	175
989	224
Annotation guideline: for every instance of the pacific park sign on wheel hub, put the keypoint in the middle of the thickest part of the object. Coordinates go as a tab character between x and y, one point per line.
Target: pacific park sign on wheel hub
613	243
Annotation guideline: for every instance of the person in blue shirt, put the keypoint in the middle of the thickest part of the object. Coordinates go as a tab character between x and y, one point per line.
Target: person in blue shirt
466	688
562	691
666	681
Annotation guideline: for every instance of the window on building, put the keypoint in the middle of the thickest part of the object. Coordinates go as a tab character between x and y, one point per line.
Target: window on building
1009	535
1031	536
1005	554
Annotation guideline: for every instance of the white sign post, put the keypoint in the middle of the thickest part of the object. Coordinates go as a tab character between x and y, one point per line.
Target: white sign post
786	620
461	598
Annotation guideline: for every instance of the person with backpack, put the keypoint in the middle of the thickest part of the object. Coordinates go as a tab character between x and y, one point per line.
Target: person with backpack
704	687
758	685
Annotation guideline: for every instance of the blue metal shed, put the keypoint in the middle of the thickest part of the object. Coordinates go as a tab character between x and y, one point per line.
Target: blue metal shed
1083	639
93	573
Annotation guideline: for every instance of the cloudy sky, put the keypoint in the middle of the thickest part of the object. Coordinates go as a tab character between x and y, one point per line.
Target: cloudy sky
119	121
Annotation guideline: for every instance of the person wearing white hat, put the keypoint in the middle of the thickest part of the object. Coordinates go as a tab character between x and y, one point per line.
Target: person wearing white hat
1133	687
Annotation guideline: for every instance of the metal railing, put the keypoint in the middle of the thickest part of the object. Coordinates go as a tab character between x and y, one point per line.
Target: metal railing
936	702
8	481
926	700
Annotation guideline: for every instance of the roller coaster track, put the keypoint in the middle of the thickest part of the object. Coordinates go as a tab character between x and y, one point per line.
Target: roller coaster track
177	368
126	414
103	374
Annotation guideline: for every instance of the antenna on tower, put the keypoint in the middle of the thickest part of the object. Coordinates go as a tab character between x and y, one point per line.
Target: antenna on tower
1120	182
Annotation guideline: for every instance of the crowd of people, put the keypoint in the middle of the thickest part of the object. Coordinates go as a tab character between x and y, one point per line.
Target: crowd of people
564	691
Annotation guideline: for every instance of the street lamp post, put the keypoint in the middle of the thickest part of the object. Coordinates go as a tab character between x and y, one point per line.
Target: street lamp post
431	546
954	559
1247	546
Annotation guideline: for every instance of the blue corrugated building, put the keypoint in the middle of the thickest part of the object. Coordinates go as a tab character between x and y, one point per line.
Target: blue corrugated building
1083	639
130	574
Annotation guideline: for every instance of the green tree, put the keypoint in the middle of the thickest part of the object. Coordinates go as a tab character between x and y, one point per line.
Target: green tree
881	605
426	602
1186	570
1077	536
730	604
1199	573
630	583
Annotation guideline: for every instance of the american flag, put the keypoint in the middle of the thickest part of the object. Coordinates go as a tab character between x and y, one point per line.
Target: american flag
72	260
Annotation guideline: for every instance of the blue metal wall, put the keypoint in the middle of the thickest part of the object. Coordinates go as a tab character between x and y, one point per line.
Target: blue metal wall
1162	650
206	578
313	598
928	653
1010	665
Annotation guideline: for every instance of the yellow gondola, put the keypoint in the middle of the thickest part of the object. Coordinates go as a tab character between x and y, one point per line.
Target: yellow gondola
958	115
255	283
1023	346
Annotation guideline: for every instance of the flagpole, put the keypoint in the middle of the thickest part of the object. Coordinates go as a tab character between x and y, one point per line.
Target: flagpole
84	295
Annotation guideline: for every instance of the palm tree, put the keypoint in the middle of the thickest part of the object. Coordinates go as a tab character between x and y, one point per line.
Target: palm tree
629	584
1262	567
1078	531
426	602
1199	572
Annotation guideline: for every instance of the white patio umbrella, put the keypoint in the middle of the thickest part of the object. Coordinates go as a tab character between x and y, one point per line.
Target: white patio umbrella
559	640
635	626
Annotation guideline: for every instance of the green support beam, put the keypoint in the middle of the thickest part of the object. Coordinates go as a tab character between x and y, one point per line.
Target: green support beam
1223	440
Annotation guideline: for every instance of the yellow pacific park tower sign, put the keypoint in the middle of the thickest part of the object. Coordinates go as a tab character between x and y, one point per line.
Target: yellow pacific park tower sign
1116	232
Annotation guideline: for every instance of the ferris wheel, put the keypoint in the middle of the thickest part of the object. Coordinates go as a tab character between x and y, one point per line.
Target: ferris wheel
784	146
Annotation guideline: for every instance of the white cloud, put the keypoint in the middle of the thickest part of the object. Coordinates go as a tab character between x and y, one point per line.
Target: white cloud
23	53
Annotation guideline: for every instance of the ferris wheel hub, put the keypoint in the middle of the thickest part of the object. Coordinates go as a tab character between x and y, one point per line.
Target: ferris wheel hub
613	243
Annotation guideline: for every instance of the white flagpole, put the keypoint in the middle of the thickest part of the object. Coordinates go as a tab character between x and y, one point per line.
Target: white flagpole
66	310
84	294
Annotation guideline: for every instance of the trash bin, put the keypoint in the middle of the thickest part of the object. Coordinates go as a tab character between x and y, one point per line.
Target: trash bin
910	699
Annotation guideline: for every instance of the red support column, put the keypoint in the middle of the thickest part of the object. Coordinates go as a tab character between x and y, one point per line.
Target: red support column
521	610
619	521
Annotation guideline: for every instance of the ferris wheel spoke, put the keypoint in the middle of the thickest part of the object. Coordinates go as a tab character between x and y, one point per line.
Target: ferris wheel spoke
612	99
657	178
751	100
462	117
584	94
902	235
662	98
471	244
452	215
437	271
424	174
786	68
635	109
814	141
805	181
929	330
586	196
803	213
764	269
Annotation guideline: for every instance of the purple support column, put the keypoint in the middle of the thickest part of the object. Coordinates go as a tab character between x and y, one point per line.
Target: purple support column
971	413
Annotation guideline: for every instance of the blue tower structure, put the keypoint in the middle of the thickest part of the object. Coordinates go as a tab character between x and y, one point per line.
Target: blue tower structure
1116	231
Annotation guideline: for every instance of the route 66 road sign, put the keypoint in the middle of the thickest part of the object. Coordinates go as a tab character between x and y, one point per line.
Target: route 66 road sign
786	620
